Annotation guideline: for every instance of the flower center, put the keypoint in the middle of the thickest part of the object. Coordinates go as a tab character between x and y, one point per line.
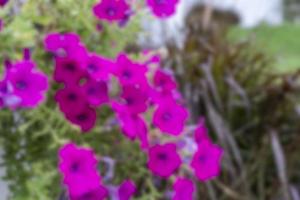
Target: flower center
21	85
75	167
92	68
127	74
162	156
72	97
82	117
110	11
167	116
70	67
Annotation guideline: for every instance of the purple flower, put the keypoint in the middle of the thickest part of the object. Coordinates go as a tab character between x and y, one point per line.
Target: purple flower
100	193
163	8
126	190
111	10
60	44
69	98
85	118
3	2
96	92
184	189
78	167
201	132
68	71
170	117
99	67
163	160
133	126
207	160
163	81
27	83
135	99
130	73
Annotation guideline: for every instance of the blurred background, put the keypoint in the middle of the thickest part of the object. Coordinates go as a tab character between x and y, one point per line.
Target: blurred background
237	63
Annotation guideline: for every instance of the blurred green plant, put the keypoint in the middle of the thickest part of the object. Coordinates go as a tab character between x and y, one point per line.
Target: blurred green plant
251	107
31	138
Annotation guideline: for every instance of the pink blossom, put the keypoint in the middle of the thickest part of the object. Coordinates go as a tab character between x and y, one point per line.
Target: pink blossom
164	81
184	189
135	99
126	190
61	43
99	67
96	92
207	160
130	73
163	160
85	118
163	8
69	98
27	83
170	117
111	10
201	132
78	167
100	193
69	71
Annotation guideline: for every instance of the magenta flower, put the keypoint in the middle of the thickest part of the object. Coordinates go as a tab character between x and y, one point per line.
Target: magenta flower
201	132
170	117
78	167
69	98
60	44
163	8
130	73
96	92
126	190
27	83
132	126
163	81
99	67
85	118
68	71
135	99
3	2
111	10
184	189
100	193
207	160
163	160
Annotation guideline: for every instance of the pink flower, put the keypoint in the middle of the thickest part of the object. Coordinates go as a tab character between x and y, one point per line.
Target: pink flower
3	2
78	167
111	10
207	160
163	160
135	99
130	73
27	83
69	98
68	71
61	43
96	92
201	132
133	126
126	190
163	81
163	8
85	118
99	67
100	193
184	189
170	117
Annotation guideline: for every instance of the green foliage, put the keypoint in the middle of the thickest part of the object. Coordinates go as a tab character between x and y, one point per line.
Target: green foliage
31	138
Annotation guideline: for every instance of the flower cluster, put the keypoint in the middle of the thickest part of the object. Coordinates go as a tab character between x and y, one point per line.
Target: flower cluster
120	10
84	76
78	166
23	85
145	90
